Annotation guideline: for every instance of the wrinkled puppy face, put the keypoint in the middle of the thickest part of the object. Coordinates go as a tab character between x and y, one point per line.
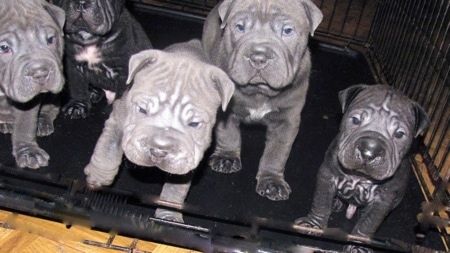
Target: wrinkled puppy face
266	40
31	47
87	20
376	132
171	110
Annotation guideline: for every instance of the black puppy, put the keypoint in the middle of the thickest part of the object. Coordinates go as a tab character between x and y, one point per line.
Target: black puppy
100	37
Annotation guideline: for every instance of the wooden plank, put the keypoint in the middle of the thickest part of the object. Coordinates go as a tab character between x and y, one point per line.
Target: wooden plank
23	234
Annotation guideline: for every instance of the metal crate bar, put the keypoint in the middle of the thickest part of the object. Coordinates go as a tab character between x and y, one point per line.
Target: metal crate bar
409	47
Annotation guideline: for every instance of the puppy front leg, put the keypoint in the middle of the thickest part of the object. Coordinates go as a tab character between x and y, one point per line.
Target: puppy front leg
227	154
280	136
6	116
48	113
174	193
107	156
79	104
324	195
368	223
25	148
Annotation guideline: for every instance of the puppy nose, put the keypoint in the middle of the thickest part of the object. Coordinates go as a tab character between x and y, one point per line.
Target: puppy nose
370	148
260	56
81	5
161	146
158	152
39	73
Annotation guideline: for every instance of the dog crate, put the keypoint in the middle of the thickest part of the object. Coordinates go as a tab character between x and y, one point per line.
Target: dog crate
406	44
403	43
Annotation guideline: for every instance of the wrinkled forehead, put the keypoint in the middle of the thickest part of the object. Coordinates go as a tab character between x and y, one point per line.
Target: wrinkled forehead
170	75
384	103
175	81
273	9
25	18
169	107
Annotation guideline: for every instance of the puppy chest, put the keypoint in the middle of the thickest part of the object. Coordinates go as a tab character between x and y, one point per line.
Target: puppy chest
354	190
90	59
90	55
257	113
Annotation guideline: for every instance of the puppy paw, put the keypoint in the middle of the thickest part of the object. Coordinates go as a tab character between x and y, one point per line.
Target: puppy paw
225	164
356	249
6	128
45	126
76	109
95	179
169	215
31	156
309	222
96	95
273	187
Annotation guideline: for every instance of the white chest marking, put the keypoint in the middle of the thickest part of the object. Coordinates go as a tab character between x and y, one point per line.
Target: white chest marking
259	113
91	55
110	96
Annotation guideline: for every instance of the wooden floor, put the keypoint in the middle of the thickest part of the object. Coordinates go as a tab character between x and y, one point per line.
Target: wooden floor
21	233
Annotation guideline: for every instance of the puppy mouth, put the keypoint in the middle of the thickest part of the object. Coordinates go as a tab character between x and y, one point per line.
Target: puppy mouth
362	172
263	88
83	37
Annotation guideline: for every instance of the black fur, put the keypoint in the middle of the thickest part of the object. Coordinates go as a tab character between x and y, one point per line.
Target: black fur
117	38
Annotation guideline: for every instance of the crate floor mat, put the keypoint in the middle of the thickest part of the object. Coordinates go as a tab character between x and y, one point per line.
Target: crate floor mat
223	213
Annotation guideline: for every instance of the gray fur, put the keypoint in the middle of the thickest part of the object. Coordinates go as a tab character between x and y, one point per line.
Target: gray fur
262	45
165	120
367	164
31	48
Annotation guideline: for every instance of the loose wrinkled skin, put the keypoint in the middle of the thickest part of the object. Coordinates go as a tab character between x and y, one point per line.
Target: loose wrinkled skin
165	120
262	46
100	36
367	164
31	48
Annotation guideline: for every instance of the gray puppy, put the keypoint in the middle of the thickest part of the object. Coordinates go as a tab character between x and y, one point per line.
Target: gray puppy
31	48
262	45
164	120
367	164
101	36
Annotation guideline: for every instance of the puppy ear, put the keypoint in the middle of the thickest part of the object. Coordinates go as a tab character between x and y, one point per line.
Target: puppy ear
139	61
346	96
422	120
224	85
314	15
57	14
224	11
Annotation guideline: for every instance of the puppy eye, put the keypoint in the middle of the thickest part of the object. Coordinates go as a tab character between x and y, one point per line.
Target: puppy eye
240	28
142	110
51	40
288	31
356	121
194	124
4	49
399	134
